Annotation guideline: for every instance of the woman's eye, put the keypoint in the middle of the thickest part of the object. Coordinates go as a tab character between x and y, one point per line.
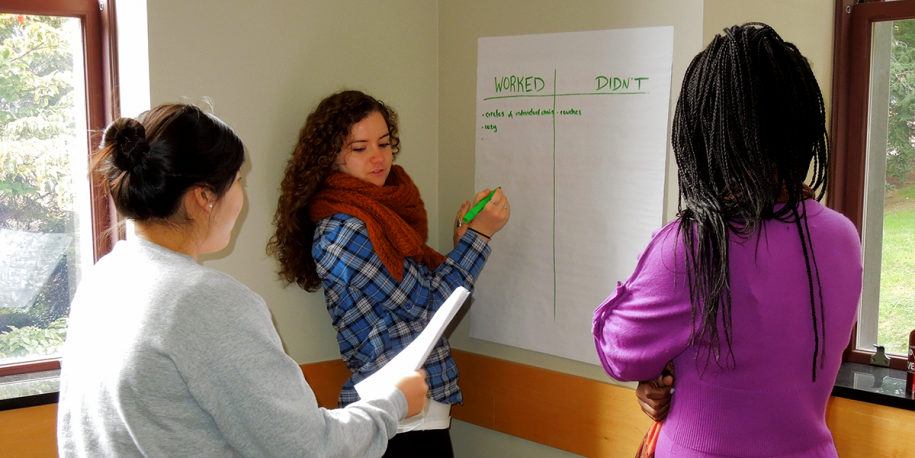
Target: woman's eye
384	145
359	149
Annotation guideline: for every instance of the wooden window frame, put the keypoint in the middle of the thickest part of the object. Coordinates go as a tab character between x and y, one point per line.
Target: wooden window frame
851	80
100	56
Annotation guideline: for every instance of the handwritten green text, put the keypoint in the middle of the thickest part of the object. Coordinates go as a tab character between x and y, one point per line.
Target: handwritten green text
616	84
519	84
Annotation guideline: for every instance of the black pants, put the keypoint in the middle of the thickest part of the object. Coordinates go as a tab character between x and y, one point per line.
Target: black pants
430	443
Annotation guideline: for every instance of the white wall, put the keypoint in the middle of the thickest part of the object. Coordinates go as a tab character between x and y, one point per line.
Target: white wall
266	64
462	23
808	24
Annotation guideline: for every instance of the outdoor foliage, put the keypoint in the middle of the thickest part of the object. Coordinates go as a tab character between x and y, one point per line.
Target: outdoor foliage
36	135
900	156
33	341
36	124
897	289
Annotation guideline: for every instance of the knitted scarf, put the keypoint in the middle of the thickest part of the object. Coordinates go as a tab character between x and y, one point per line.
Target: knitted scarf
394	215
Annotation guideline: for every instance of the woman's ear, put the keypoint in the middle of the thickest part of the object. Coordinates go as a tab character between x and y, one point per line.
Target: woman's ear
200	201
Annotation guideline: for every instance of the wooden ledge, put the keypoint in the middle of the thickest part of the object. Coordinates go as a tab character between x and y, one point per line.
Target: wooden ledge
571	413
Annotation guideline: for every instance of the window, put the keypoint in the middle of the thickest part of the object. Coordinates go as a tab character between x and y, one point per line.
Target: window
873	170
55	86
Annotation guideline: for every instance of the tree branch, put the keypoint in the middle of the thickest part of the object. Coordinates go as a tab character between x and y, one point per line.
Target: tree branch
30	51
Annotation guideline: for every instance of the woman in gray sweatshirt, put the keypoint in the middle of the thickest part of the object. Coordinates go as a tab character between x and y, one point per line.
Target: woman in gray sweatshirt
165	357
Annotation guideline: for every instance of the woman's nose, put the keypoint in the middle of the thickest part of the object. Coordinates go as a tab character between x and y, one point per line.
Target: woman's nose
376	155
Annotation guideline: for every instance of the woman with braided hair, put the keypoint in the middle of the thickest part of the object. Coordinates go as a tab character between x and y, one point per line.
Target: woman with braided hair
350	220
752	292
165	357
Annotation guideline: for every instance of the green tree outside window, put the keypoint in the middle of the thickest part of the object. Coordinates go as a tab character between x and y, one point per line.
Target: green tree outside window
37	131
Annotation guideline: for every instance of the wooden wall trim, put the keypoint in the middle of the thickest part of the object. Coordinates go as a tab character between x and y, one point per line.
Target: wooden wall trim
865	429
326	379
598	419
571	413
29	432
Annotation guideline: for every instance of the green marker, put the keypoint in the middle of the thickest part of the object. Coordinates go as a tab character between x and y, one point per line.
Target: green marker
479	206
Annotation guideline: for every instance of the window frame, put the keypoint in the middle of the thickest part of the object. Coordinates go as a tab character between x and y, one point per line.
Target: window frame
850	103
100	56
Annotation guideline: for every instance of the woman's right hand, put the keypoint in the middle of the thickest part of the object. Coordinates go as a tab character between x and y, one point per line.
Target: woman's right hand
494	214
654	396
414	388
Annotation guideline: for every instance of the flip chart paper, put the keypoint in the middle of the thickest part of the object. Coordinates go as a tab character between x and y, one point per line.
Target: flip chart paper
573	127
414	356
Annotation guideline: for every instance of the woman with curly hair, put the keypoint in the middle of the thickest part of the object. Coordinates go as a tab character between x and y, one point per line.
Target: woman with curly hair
752	292
350	220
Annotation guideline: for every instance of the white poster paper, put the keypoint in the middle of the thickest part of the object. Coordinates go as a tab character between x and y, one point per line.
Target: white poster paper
573	127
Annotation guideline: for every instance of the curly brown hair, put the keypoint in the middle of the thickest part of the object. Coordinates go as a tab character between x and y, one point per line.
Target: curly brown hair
320	140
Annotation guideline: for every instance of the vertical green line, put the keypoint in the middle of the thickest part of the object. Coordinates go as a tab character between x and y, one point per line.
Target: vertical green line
554	195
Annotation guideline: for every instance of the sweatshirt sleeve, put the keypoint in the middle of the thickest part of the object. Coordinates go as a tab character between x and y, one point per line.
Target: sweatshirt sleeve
647	321
261	403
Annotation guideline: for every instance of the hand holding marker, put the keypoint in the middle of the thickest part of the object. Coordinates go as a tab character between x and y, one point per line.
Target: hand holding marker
479	206
487	219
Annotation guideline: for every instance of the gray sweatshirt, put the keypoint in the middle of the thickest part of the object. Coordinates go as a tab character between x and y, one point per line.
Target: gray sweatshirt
165	357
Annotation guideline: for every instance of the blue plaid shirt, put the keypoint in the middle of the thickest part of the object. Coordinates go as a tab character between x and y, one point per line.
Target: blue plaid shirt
375	315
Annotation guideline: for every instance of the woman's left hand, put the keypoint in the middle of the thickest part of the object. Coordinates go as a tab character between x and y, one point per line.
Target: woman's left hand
460	227
654	395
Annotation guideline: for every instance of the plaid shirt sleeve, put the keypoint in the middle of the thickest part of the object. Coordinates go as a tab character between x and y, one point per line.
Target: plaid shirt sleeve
375	315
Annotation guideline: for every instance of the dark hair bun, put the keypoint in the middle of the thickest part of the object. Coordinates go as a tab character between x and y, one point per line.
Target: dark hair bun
132	148
149	163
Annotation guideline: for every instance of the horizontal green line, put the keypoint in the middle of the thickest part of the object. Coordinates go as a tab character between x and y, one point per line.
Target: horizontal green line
563	95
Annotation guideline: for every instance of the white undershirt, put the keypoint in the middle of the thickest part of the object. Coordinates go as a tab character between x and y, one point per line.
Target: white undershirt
435	415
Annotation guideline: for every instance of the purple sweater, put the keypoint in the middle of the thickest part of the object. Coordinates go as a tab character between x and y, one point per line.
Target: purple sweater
767	404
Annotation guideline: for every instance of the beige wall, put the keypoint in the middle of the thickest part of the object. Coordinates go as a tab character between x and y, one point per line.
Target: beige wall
461	24
266	64
809	25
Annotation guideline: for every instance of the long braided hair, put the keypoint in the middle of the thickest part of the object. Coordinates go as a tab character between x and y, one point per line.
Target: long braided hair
749	121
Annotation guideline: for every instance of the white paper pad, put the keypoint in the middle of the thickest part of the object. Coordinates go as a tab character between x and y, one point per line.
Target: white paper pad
573	127
414	356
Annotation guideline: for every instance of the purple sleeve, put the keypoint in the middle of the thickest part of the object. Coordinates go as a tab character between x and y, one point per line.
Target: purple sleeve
647	321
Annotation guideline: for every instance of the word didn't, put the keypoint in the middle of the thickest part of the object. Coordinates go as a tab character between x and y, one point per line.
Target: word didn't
615	84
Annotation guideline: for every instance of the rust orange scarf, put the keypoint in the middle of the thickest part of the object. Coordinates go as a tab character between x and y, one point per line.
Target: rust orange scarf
394	215
649	442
